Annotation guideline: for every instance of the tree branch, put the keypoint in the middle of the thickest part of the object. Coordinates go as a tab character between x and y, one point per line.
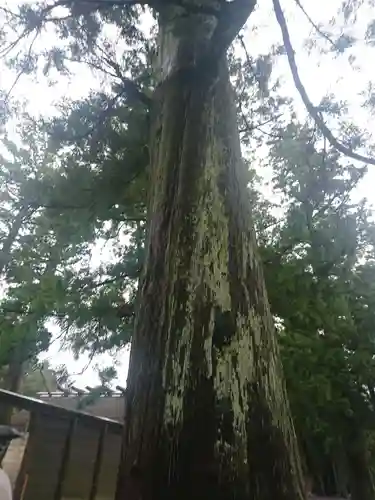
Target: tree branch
22	71
126	310
250	127
66	206
94	3
315	26
133	93
98	4
314	113
111	3
232	18
6	248
130	91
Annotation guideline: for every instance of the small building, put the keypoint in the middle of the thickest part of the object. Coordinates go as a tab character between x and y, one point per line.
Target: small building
66	454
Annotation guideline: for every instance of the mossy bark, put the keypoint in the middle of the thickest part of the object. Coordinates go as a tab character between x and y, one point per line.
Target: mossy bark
206	413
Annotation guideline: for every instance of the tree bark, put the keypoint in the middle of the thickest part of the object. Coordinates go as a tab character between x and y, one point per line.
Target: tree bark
6	248
360	477
206	413
340	471
11	382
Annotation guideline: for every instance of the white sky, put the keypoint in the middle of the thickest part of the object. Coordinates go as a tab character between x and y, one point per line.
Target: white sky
321	75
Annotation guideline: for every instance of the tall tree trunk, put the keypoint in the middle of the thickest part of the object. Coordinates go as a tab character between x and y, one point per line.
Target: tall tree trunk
340	471
206	414
360	477
11	382
7	244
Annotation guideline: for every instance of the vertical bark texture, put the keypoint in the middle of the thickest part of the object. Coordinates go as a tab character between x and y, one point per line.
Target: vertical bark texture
207	415
360	477
11	382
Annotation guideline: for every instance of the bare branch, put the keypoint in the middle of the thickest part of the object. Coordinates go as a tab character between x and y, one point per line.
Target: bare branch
87	365
314	113
133	94
92	65
22	71
6	50
8	12
130	88
250	127
315	26
244	48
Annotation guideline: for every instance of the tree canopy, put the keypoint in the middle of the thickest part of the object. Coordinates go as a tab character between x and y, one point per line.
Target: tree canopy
77	180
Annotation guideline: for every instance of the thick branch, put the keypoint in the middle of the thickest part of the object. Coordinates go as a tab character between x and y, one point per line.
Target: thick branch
126	310
134	94
132	91
305	98
232	18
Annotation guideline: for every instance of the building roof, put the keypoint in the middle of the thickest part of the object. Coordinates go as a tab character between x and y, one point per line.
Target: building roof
108	407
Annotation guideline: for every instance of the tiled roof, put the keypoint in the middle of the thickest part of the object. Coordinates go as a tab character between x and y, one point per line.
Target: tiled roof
73	394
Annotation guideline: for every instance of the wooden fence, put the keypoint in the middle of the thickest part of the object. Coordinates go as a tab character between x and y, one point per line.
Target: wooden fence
69	454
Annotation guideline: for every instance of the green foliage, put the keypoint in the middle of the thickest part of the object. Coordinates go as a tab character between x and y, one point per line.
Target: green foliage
93	192
39	377
81	183
319	268
78	182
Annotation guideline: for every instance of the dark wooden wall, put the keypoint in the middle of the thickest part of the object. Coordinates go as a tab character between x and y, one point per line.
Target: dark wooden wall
39	474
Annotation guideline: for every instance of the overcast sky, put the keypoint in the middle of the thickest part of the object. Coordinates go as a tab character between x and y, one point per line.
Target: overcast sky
321	75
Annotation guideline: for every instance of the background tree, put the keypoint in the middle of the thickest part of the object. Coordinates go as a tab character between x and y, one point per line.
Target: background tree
313	259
